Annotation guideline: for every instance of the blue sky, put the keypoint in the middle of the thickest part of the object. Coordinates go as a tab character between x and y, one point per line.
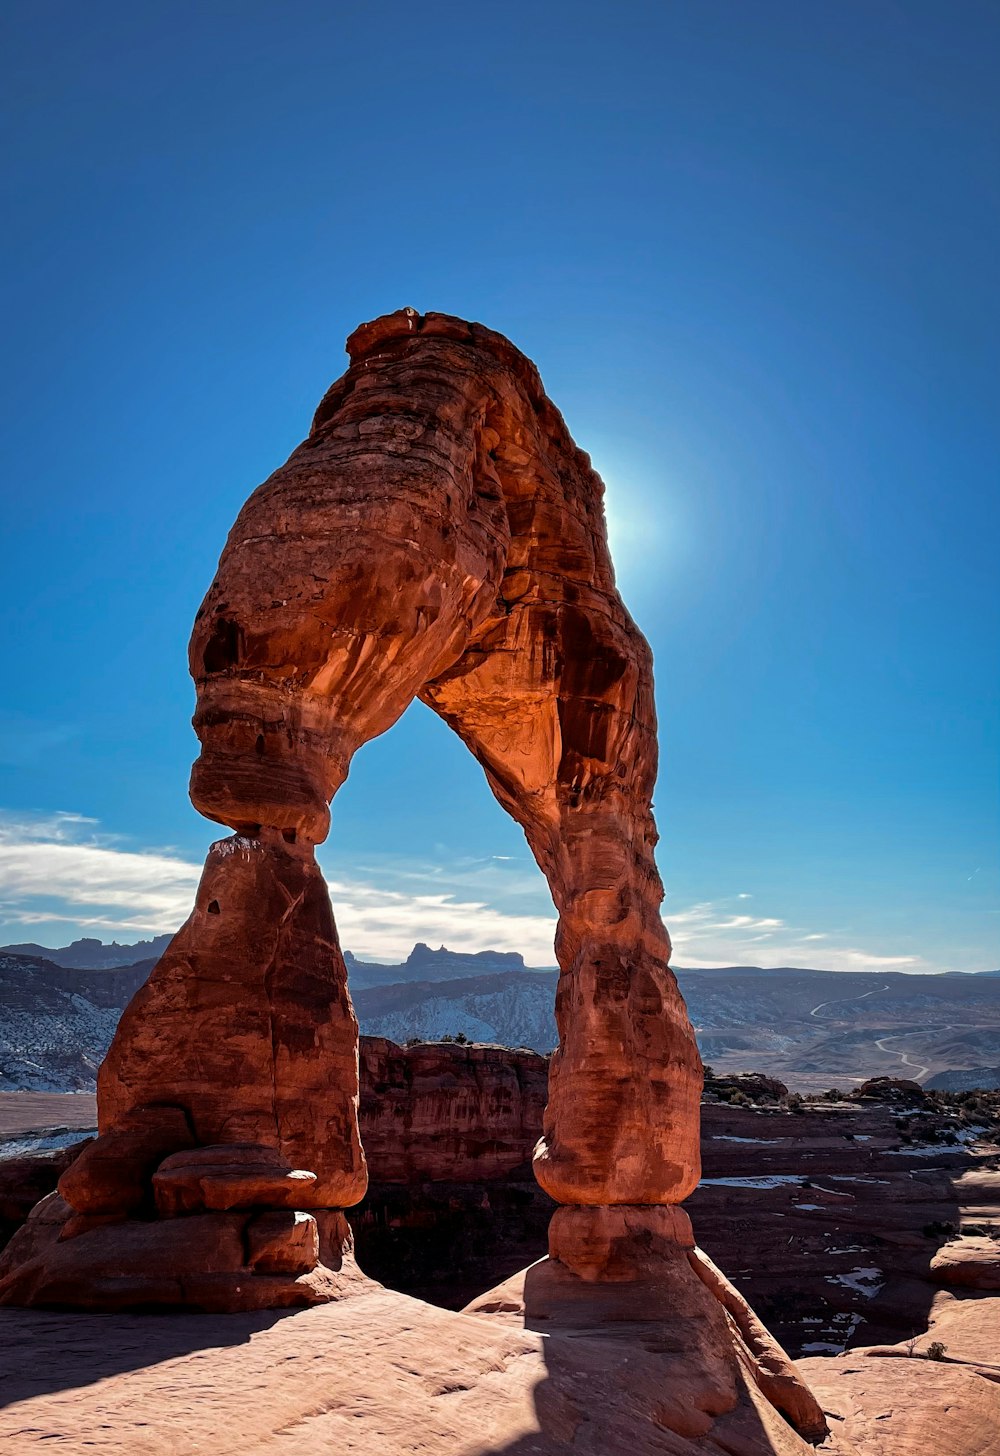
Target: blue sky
752	249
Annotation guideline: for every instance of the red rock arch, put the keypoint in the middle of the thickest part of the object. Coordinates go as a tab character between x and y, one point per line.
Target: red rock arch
440	535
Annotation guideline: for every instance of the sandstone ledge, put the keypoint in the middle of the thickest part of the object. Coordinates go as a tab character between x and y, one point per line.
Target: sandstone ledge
380	1373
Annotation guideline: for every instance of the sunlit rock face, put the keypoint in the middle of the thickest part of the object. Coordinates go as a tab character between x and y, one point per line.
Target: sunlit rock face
440	535
246	1023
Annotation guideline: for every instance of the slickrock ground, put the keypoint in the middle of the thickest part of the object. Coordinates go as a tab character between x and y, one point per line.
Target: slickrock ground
895	1401
377	1375
382	1374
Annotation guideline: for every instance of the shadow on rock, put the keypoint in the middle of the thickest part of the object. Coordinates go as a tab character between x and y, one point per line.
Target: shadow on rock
81	1349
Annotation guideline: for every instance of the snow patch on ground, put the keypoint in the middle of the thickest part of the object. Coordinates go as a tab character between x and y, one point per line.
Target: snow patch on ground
767	1180
866	1282
47	1142
725	1137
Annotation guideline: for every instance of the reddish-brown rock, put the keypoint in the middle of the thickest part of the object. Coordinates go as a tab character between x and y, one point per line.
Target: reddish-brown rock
236	1175
972	1263
199	1262
617	1243
111	1175
27	1179
282	1243
246	1023
677	1303
444	1111
906	1407
439	535
774	1373
231	1084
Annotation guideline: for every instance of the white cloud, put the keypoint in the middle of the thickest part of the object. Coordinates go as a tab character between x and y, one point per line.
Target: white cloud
709	935
62	858
384	924
61	869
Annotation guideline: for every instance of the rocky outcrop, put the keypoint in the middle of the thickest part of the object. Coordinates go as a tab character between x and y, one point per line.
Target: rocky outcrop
26	1180
439	1111
826	1219
231	1089
972	1262
246	1024
934	1394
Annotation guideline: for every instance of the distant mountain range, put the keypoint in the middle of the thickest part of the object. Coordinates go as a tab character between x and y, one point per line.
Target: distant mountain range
424	964
93	955
56	1022
809	1028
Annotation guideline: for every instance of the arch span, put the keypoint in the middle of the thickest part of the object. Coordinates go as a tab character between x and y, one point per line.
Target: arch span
440	535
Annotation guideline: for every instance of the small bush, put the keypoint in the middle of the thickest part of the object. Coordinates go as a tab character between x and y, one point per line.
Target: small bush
936	1350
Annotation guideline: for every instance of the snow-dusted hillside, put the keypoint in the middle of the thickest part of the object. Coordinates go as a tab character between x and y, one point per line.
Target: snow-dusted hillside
811	1029
56	1023
514	1008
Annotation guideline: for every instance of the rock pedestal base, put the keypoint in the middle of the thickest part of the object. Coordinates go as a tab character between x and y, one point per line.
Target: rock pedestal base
212	1228
633	1272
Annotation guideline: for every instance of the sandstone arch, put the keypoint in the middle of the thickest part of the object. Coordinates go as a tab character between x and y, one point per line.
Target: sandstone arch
439	534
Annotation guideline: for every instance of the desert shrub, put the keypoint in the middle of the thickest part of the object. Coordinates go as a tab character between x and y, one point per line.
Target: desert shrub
936	1350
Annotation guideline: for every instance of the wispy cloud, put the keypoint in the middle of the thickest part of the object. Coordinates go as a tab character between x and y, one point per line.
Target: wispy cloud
62	869
710	934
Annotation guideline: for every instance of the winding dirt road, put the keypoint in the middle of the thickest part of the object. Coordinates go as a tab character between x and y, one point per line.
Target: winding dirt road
842	999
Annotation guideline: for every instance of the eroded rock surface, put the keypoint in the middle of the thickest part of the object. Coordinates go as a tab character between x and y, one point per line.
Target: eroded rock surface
380	1373
439	535
246	1023
231	1089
